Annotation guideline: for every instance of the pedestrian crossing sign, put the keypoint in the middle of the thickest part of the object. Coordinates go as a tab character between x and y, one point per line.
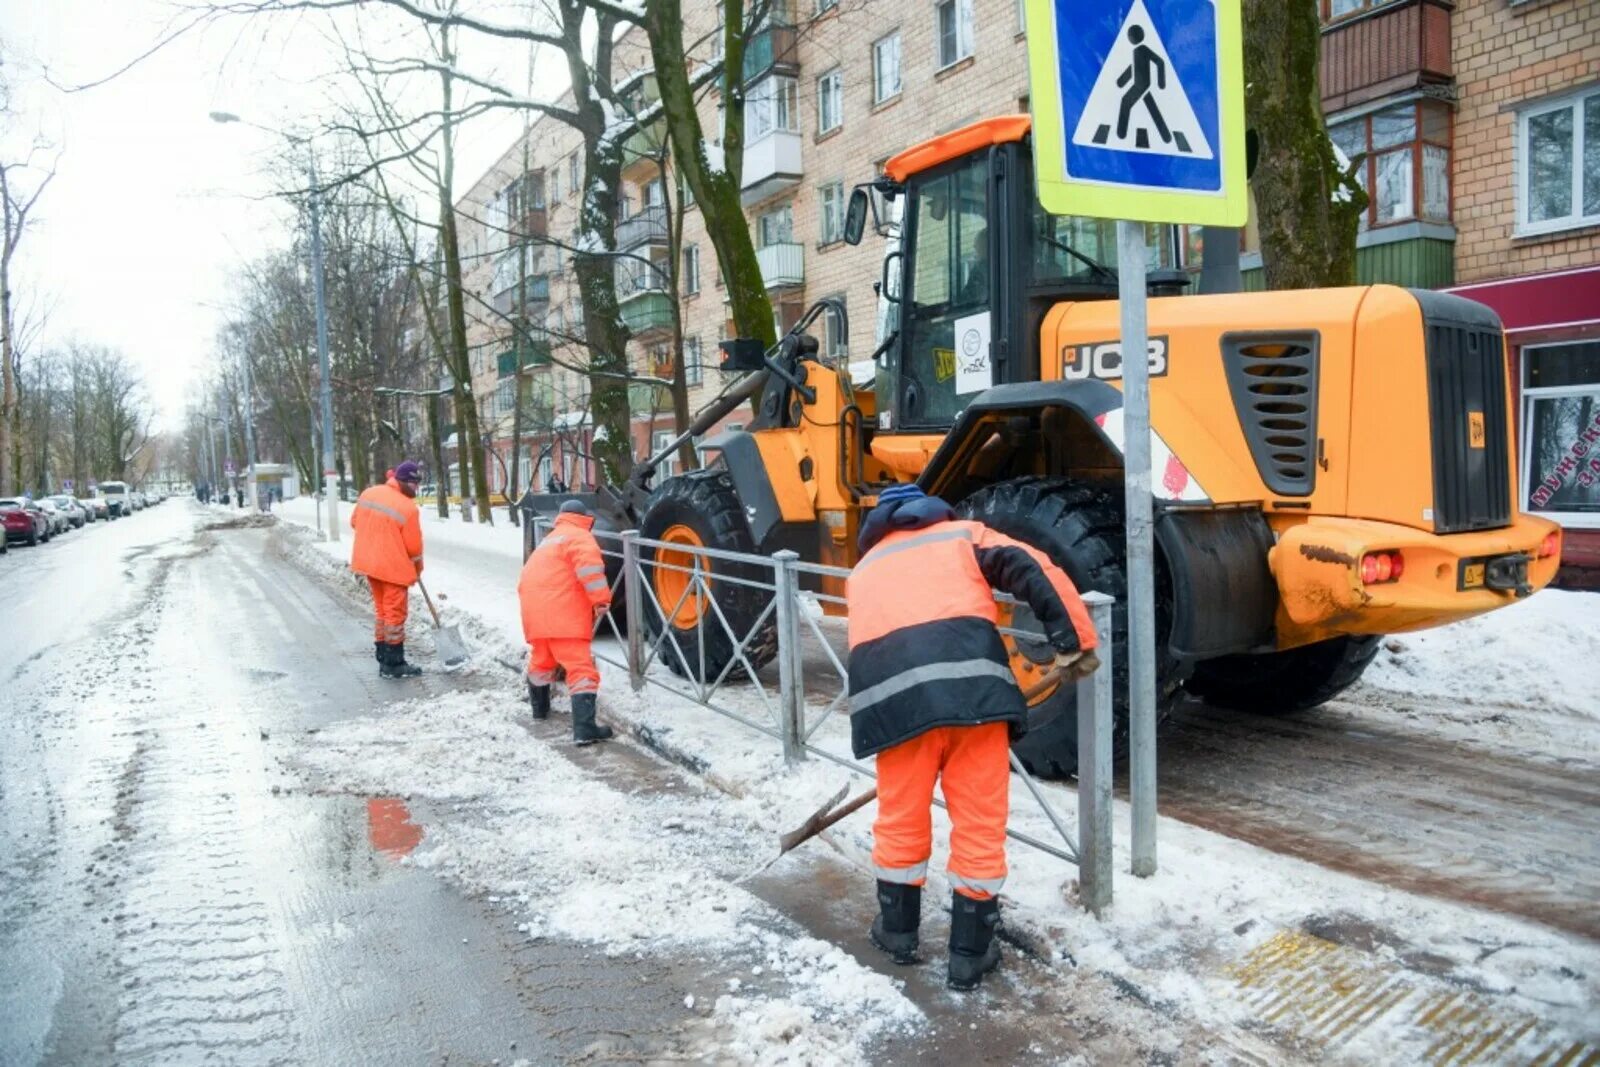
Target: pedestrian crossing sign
1138	109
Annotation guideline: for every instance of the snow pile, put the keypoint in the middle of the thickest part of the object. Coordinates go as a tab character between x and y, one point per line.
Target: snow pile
1543	653
643	872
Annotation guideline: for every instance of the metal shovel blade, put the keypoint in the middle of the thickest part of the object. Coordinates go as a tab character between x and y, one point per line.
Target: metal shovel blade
448	643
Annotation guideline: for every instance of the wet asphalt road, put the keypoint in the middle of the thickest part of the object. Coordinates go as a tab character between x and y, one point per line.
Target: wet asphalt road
164	898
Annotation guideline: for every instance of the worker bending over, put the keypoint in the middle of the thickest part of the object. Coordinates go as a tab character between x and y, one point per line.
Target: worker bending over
932	695
564	592
388	550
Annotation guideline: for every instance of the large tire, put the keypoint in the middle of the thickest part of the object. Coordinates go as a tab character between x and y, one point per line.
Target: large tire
702	508
1280	683
1080	527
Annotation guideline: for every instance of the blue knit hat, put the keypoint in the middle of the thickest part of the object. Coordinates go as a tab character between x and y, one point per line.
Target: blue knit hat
900	493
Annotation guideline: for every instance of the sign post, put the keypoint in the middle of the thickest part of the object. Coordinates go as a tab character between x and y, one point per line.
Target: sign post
1138	116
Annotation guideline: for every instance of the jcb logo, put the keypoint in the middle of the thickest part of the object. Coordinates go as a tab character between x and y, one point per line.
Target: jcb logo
1477	437
1103	360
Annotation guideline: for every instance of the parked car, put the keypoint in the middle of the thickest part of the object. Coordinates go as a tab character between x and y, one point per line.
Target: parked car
24	520
60	523
117	498
70	507
97	504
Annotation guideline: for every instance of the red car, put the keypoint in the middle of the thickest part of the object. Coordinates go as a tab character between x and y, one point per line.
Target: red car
24	521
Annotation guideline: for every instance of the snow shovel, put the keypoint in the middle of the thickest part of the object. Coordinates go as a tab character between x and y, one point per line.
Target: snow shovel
446	639
827	815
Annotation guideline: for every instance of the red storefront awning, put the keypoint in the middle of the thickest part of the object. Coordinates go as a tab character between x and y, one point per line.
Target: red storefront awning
1563	299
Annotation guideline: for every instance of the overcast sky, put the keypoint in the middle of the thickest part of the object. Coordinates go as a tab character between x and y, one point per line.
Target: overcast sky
155	206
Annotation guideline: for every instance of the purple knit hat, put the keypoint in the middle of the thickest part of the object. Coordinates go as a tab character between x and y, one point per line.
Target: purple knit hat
408	471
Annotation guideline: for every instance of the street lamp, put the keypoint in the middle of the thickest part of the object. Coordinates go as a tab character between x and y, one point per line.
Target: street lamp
330	474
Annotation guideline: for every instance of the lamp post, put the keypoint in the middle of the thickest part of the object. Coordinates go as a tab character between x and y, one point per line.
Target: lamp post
330	474
249	435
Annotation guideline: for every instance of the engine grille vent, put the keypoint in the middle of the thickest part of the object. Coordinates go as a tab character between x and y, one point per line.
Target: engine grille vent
1273	380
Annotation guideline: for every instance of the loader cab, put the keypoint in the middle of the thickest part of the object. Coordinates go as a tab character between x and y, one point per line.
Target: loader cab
977	264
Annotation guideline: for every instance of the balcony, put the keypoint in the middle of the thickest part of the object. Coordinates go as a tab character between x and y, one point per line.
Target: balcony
772	48
534	354
782	265
643	398
646	310
1389	49
505	301
530	224
771	165
648	227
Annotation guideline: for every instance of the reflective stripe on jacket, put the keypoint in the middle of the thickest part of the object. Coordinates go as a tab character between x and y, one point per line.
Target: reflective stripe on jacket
925	650
388	541
563	581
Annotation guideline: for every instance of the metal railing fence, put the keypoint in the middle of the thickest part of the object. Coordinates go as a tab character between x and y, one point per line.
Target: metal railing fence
783	659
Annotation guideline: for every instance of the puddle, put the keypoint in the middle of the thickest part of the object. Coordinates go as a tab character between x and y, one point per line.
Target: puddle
389	827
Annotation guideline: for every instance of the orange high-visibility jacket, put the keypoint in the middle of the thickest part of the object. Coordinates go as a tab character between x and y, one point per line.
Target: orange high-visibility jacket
388	541
924	647
563	581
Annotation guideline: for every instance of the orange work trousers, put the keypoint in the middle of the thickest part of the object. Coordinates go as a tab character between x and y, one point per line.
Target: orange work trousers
575	654
972	766
389	603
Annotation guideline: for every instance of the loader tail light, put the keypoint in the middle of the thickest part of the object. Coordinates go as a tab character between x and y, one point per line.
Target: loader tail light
1380	567
1550	545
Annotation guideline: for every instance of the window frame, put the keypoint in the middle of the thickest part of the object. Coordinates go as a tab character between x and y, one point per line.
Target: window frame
694	368
1416	147
830	191
961	38
1529	395
835	343
899	67
1574	102
691	275
836	77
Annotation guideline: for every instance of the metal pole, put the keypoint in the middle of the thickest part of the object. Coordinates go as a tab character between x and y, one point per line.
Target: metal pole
791	690
249	435
330	472
1131	269
632	595
216	460
316	496
1095	696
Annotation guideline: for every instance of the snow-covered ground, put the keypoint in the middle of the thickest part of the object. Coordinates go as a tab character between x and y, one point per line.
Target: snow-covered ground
1222	921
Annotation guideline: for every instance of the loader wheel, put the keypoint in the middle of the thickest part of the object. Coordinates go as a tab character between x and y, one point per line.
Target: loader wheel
1279	683
1080	527
701	509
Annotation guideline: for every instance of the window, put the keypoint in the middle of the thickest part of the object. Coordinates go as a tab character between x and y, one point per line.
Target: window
691	270
505	396
772	104
555	185
830	101
824	6
693	368
1561	431
1022	16
573	178
776	227
886	68
654	195
661	439
1338	9
834	342
1558	164
1404	166
832	198
952	31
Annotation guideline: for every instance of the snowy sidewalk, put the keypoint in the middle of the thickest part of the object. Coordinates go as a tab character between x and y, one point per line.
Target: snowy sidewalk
1230	936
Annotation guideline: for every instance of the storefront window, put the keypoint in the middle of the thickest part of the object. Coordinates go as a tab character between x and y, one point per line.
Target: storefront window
1561	431
1405	161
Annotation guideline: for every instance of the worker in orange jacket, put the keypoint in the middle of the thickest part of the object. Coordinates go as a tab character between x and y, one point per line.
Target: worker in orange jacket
933	697
563	590
388	550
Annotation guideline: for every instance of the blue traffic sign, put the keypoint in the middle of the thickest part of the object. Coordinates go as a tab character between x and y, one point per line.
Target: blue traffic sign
1139	108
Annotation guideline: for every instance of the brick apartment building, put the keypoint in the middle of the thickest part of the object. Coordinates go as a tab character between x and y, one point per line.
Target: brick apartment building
1479	121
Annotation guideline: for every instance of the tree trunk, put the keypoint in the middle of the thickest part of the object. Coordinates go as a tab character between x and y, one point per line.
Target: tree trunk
469	439
441	477
8	382
1308	209
716	189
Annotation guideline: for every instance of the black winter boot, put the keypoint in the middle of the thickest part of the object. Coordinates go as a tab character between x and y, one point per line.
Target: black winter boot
974	952
899	915
396	666
539	700
380	653
585	730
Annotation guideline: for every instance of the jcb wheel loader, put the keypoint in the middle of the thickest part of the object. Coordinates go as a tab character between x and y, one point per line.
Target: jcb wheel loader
1328	466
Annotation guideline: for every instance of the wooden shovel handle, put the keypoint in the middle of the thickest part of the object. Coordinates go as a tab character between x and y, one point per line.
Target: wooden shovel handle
429	600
